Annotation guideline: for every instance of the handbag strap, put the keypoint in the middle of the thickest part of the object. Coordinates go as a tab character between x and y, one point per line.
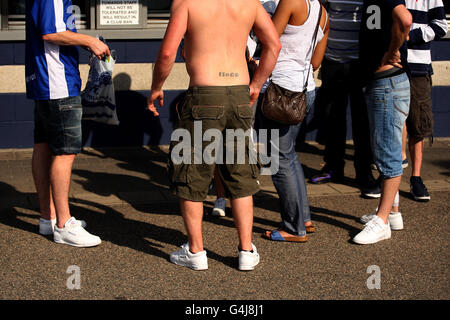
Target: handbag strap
312	45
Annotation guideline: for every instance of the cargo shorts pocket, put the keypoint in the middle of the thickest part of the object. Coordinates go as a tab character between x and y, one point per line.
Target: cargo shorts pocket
425	118
245	111
207	112
178	173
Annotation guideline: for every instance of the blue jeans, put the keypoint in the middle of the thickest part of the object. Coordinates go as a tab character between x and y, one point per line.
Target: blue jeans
58	123
290	179
388	107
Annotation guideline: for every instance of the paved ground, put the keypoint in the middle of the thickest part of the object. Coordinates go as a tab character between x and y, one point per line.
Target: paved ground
122	194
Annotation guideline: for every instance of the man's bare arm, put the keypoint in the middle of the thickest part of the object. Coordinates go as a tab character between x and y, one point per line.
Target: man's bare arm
271	46
168	51
402	21
69	38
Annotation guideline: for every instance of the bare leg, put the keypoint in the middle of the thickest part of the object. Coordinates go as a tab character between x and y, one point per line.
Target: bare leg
40	166
60	172
389	188
192	213
243	218
416	152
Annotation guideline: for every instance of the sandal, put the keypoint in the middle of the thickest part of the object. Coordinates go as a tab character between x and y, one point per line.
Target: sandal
323	177
275	235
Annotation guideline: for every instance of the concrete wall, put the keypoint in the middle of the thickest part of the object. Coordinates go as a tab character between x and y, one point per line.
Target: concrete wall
132	80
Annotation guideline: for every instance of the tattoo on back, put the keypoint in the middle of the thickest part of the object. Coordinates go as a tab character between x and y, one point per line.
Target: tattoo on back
229	74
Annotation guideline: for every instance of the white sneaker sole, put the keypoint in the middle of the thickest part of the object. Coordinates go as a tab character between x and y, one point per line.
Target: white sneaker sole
248	267
372	196
217	212
421	199
188	265
372	241
85	245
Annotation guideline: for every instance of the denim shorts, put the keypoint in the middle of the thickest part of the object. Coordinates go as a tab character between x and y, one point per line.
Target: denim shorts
388	107
58	123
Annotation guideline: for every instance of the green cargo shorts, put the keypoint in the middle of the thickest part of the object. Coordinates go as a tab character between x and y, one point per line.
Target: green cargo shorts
208	119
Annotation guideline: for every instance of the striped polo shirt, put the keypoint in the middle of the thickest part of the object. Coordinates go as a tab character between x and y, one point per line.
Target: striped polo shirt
343	38
429	23
51	70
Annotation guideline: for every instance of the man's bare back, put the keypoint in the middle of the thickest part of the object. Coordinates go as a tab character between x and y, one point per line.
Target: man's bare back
215	34
216	39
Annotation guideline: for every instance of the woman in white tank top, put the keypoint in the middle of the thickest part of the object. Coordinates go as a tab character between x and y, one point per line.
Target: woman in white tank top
295	21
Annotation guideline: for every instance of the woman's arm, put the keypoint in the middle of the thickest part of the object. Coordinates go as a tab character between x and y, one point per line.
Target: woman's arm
319	51
282	15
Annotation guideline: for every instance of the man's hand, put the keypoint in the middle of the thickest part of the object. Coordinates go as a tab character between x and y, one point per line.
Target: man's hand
254	93
155	94
392	58
99	48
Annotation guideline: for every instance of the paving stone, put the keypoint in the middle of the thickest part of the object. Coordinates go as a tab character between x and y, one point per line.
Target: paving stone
88	197
147	197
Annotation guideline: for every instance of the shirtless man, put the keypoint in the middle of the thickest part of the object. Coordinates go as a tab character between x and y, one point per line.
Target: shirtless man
220	97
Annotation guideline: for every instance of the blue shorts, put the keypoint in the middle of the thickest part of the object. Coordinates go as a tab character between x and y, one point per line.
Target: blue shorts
388	107
58	123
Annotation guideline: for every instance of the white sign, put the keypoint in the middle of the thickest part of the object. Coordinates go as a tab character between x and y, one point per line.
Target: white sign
119	12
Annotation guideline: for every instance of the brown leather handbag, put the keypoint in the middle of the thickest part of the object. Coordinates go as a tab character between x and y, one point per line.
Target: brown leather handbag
283	105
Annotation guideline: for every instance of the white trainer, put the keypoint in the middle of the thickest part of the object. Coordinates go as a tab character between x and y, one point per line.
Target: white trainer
47	227
375	230
248	260
395	219
183	257
219	207
75	235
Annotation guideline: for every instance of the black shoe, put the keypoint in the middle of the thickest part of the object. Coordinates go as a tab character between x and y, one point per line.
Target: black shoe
373	191
418	189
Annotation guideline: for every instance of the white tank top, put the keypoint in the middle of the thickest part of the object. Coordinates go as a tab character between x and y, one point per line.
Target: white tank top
296	52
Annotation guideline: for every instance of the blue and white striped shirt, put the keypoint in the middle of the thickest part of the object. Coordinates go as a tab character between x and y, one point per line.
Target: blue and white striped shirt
429	23
51	70
343	38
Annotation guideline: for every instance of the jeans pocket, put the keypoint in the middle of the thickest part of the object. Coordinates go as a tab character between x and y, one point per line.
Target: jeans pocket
401	108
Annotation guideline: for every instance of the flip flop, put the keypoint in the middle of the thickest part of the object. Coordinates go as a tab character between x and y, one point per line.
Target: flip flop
275	235
310	229
321	178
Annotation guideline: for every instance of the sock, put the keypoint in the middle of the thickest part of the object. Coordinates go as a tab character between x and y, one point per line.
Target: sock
396	200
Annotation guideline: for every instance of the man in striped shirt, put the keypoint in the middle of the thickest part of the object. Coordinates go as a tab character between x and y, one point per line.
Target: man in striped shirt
429	23
340	74
53	82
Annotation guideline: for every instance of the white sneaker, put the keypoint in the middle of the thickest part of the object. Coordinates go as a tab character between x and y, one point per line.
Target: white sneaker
47	227
183	257
248	260
219	207
375	230
395	219
75	235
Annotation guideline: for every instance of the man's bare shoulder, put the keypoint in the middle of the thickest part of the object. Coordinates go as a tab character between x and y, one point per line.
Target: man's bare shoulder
199	4
179	4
